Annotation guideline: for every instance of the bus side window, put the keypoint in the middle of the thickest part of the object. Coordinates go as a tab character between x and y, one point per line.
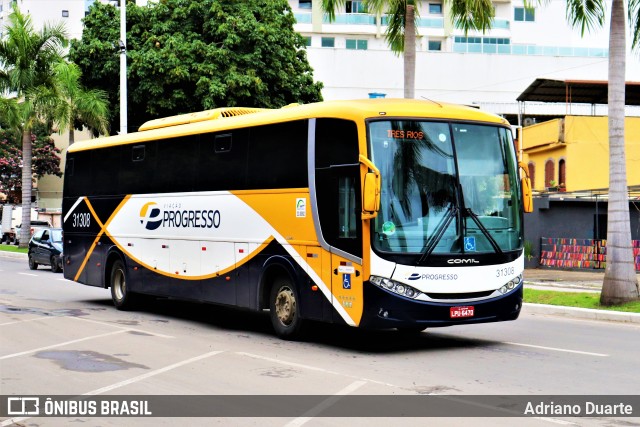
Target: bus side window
221	163
137	153
222	143
347	228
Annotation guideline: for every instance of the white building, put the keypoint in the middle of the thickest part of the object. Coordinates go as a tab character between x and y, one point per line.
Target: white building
70	12
351	57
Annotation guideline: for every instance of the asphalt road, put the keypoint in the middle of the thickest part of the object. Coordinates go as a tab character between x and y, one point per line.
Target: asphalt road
59	337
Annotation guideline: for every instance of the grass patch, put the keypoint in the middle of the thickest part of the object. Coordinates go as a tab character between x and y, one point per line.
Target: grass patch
576	299
13	248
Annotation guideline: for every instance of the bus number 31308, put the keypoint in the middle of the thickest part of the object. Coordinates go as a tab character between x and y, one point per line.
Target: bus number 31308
81	219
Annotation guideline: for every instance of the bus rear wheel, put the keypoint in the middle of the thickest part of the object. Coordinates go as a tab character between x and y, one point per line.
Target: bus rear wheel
122	298
284	310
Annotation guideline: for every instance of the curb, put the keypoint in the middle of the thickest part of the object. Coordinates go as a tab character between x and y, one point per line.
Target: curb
581	313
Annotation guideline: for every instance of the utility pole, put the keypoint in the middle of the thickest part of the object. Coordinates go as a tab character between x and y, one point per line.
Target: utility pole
123	67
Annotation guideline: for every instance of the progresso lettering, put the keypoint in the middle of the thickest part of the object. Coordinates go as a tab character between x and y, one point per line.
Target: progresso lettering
191	218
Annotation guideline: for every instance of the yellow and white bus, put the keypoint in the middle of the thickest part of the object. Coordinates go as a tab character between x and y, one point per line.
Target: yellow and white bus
376	213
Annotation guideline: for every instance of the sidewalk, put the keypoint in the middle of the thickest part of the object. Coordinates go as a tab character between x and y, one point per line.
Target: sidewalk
564	280
538	278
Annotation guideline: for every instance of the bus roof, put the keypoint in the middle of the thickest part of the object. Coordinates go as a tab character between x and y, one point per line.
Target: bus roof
222	119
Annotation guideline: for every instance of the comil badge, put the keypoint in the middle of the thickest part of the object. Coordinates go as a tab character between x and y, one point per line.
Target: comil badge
150	216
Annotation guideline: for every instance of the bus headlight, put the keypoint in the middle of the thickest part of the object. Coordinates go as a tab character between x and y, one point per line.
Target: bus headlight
511	284
395	287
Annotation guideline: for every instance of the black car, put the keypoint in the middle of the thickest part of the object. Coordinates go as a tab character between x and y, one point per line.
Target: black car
45	247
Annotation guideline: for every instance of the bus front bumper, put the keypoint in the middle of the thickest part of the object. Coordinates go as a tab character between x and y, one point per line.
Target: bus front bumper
388	310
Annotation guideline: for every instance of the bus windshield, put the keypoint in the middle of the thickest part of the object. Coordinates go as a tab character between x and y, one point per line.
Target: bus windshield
447	188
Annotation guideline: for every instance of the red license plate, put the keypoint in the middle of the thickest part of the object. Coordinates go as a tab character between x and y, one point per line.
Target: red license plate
459	312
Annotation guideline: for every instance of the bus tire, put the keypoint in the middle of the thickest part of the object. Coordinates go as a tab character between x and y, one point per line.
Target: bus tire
33	265
122	298
284	310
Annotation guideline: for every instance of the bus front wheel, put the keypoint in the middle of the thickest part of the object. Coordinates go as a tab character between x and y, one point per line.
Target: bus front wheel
122	298
284	310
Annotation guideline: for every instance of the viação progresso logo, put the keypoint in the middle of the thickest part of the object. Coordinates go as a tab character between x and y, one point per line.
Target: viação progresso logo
150	216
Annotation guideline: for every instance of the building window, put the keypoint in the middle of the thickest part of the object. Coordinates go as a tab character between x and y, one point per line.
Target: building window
65	13
357	44
434	45
473	40
524	14
562	173
549	173
355	7
435	8
304	4
328	42
532	173
307	41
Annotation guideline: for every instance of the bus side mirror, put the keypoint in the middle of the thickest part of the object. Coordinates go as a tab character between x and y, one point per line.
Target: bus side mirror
525	184
370	190
370	194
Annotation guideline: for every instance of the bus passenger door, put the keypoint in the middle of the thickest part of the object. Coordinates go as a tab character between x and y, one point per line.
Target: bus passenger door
345	236
339	209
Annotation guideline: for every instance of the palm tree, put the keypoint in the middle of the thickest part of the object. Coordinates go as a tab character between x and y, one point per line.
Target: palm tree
620	282
88	106
401	28
27	58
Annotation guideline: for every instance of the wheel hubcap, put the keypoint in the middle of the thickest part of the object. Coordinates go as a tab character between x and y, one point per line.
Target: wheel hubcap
119	284
285	306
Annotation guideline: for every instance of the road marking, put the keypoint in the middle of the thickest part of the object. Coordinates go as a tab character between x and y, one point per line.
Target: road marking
125	328
328	402
11	421
32	320
151	374
314	368
29	274
22	353
564	350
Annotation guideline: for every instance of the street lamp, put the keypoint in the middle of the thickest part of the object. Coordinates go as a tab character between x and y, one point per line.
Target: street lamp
123	67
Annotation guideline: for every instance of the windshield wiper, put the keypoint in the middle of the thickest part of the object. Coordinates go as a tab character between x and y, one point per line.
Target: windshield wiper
484	230
441	228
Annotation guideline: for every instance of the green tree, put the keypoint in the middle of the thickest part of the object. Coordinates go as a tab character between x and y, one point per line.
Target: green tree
402	16
186	56
27	58
620	281
79	106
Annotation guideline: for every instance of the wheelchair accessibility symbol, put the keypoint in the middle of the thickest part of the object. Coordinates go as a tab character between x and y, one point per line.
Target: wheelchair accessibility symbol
470	244
346	281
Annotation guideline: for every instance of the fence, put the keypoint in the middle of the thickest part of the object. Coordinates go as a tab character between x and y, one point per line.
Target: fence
570	253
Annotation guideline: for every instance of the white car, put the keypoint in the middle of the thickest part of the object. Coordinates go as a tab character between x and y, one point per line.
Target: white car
35	225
